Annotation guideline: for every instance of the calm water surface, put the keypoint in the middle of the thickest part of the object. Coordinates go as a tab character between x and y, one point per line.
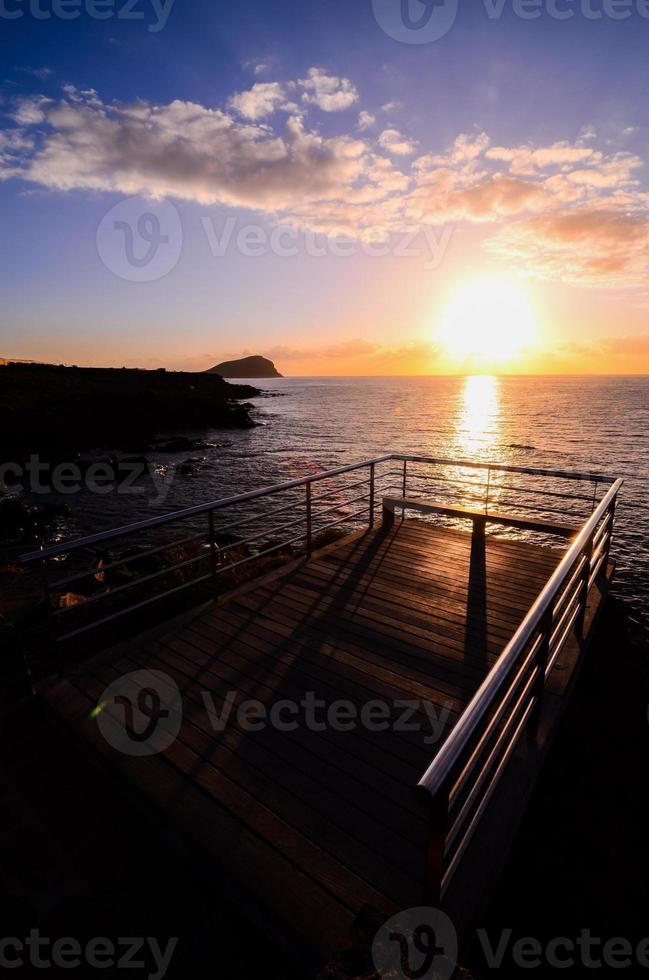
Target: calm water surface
310	424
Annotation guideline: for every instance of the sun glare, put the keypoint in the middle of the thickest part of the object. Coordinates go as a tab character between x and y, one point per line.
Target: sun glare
490	319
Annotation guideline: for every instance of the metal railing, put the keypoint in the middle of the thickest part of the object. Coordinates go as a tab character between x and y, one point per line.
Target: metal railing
462	778
109	575
243	532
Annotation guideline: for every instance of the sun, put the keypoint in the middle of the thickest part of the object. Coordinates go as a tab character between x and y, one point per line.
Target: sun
488	319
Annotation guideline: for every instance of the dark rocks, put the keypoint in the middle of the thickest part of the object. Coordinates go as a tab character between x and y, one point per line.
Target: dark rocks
58	411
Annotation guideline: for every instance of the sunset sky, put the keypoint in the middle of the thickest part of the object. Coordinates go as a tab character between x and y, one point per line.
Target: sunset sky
323	183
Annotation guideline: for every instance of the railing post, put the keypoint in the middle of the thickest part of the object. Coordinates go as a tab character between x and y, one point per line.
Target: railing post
541	665
437	806
372	495
210	523
405	477
607	549
309	520
580	622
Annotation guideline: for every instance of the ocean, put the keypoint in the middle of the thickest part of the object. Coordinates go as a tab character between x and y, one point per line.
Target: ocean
310	424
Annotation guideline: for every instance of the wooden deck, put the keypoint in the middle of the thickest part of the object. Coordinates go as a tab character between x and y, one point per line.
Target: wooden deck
308	827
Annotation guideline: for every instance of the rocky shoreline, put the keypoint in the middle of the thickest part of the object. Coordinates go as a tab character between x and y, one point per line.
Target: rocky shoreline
58	411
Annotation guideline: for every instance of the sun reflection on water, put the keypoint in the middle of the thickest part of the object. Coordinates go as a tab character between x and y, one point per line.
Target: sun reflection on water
478	426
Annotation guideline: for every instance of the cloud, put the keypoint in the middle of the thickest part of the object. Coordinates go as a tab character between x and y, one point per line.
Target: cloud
564	211
524	160
392	141
584	247
365	120
328	92
31	110
188	151
263	99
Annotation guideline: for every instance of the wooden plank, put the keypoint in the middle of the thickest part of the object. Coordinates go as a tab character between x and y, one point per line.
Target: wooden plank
326	819
294	906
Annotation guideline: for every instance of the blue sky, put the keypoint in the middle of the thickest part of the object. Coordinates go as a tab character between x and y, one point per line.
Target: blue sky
524	138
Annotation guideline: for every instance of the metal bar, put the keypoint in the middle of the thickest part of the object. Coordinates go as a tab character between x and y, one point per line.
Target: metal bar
337	489
471	829
526	696
261	516
179	515
260	554
347	517
372	478
556	651
481	702
523	670
568	588
584	588
139	605
65	548
309	521
129	559
210	524
341	504
110	593
498	468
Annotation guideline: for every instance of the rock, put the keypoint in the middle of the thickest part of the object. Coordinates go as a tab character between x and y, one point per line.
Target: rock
246	367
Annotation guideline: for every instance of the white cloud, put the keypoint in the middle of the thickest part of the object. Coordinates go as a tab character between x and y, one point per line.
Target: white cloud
392	141
328	92
564	210
365	120
263	99
31	110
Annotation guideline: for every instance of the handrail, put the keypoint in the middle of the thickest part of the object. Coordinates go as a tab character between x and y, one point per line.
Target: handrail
442	765
151	522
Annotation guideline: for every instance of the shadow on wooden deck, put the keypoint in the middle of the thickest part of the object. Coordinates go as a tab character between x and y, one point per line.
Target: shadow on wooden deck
305	828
